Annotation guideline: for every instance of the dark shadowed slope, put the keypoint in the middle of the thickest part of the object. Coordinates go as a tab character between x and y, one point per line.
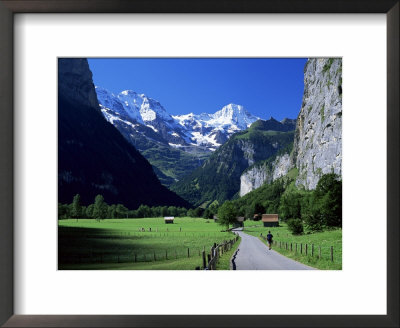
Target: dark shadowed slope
93	157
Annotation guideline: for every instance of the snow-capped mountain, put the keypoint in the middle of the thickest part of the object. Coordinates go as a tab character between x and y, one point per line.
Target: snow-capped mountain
134	108
212	130
206	131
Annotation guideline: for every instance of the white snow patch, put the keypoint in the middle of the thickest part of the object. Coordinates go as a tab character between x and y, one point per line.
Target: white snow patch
152	127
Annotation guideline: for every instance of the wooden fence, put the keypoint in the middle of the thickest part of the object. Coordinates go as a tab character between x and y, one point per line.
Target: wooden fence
148	256
215	252
302	249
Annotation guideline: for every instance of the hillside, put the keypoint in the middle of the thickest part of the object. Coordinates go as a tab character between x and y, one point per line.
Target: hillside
219	177
170	164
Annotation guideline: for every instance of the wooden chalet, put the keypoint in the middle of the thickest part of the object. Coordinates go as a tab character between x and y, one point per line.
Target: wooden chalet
169	219
270	220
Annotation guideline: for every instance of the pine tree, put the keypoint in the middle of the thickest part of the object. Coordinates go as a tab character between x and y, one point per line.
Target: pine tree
76	209
100	208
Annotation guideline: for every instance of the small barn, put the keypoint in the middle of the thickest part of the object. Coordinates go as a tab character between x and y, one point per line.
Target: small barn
239	222
215	218
270	220
168	219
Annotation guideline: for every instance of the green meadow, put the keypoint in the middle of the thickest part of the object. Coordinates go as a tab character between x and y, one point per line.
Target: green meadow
323	240
139	244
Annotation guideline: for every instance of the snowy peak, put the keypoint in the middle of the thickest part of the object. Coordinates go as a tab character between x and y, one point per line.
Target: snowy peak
233	114
231	111
148	108
205	130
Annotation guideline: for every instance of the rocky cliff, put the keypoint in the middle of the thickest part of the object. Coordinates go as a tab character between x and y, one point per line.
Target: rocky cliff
264	172
317	145
76	82
318	137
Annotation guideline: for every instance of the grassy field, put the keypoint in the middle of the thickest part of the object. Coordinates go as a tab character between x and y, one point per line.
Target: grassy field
141	244
324	240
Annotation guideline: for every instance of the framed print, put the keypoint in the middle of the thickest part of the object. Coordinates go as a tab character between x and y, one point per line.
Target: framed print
60	270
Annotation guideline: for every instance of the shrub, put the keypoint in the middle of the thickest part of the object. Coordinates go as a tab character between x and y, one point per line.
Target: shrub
295	226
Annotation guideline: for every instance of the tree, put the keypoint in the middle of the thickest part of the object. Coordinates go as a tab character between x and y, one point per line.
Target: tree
191	213
329	195
311	213
208	214
290	206
121	211
144	211
164	211
100	208
112	211
198	212
258	208
76	210
227	214
295	226
63	211
173	211
182	212
89	211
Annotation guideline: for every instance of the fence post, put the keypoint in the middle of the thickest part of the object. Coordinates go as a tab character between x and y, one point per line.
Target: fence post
301	249
154	252
166	254
319	252
296	248
331	253
306	248
291	247
188	252
312	250
208	259
203	254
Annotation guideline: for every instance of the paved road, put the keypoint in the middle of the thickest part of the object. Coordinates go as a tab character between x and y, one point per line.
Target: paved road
253	254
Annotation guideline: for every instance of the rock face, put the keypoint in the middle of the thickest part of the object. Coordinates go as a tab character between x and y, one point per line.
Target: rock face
264	172
77	83
318	137
317	146
93	157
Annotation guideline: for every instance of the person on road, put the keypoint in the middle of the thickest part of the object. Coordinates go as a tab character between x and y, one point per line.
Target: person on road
269	239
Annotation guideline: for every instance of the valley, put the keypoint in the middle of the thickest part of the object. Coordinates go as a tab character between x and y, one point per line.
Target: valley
126	165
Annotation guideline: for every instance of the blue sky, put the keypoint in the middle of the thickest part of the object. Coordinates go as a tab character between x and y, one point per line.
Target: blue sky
264	86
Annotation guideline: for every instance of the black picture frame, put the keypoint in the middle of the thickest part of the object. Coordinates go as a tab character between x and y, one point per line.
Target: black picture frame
10	7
